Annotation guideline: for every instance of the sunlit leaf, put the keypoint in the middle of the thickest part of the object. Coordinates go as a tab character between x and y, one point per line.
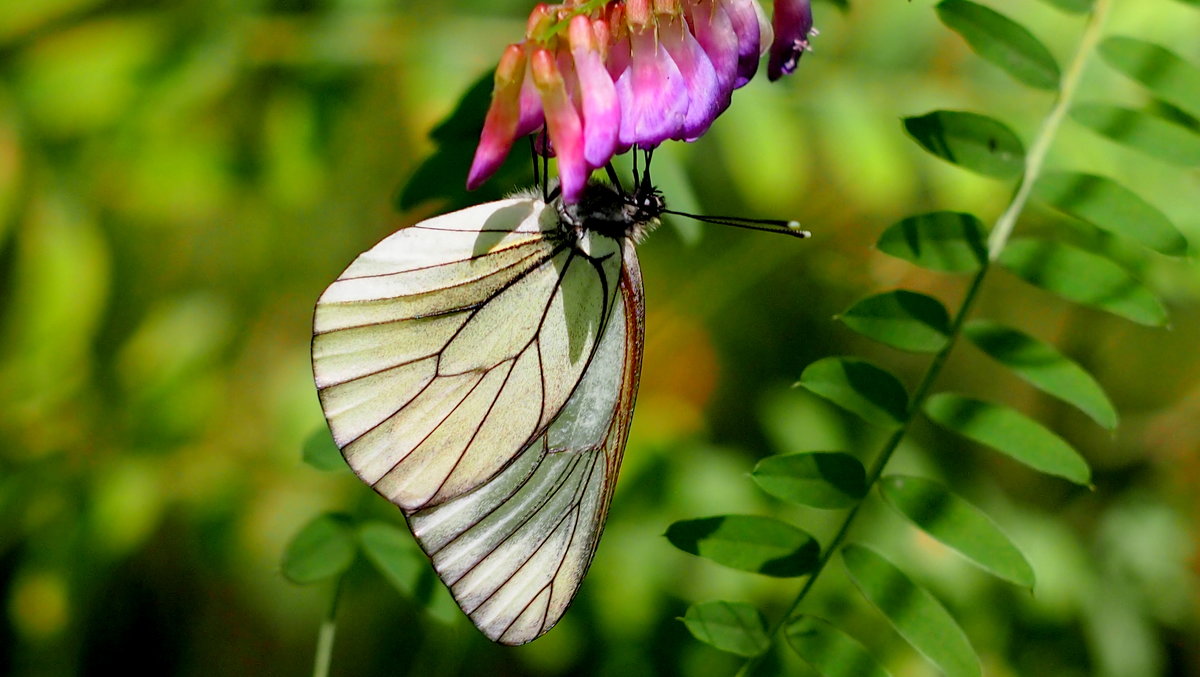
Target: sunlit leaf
56	288
1083	277
902	319
1148	133
975	142
917	615
1164	73
321	453
1110	206
758	544
1009	432
951	242
1047	369
435	599
858	387
17	18
324	548
828	480
1073	6
1001	41
443	175
394	554
958	524
733	627
829	651
86	74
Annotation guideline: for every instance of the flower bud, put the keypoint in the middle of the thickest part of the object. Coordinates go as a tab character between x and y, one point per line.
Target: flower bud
793	21
500	127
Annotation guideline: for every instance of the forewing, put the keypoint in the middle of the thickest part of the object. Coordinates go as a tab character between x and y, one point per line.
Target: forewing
431	351
514	551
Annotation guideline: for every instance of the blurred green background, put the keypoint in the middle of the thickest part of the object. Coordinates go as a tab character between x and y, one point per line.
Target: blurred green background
179	179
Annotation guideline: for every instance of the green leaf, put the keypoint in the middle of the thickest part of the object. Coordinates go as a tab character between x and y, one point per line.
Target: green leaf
321	453
958	524
859	387
975	142
829	651
1011	433
1083	277
1108	205
757	544
1002	41
1160	70
1148	133
1073	6
917	615
394	555
950	242
828	480
324	548
1047	369
733	627
901	319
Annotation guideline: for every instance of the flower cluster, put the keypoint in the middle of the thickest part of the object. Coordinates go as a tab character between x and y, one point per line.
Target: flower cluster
602	76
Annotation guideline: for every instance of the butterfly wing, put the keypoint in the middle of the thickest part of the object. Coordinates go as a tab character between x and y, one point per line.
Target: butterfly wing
443	351
515	550
479	371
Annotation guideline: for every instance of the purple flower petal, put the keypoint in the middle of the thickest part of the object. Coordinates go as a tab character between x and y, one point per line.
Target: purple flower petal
597	93
714	31
653	96
793	21
699	76
743	14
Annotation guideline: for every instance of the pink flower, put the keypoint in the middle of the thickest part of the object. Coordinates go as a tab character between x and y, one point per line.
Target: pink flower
597	91
711	25
563	124
653	95
597	78
749	24
699	77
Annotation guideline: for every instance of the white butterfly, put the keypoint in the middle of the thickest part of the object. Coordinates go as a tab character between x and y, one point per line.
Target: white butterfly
479	370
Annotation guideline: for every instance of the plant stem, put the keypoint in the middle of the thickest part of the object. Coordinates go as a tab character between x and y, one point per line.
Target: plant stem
997	240
1041	146
325	635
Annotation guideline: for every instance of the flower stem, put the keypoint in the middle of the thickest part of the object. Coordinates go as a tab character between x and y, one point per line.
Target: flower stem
325	635
997	240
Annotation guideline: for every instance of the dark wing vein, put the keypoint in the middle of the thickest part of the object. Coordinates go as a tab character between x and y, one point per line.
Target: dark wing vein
453	262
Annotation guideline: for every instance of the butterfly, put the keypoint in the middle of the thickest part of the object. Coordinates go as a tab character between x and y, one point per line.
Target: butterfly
479	370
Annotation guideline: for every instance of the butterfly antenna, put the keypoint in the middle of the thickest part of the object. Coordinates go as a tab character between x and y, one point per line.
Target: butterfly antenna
781	226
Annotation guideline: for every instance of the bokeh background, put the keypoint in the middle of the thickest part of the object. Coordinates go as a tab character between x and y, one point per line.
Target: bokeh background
179	179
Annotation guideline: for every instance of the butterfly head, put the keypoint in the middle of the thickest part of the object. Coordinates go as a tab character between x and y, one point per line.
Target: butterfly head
608	211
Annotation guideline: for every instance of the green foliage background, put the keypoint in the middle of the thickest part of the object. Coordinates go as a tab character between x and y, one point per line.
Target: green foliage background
180	180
